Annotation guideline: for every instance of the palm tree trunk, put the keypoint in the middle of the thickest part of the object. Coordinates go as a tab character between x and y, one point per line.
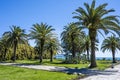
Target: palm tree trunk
88	54
2	57
41	50
41	57
5	54
73	47
51	55
92	34
113	55
73	51
14	51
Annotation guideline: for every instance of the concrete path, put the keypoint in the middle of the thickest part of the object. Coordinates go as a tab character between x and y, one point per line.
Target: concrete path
42	67
108	74
55	68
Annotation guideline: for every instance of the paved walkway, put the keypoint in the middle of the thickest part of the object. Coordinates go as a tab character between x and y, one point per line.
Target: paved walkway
108	74
42	67
49	68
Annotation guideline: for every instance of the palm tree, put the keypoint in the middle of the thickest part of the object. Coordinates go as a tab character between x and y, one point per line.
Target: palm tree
70	35
40	33
111	44
85	46
15	36
95	19
53	46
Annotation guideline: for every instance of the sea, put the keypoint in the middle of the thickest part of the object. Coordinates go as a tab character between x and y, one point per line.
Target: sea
62	56
107	58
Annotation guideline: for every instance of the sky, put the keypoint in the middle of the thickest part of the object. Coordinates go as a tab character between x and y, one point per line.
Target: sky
57	13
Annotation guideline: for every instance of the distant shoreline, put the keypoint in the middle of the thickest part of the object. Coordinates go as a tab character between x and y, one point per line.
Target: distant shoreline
61	56
106	58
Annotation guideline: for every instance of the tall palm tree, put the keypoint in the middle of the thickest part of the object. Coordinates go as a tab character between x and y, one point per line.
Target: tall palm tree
15	36
40	33
53	46
95	19
111	44
70	35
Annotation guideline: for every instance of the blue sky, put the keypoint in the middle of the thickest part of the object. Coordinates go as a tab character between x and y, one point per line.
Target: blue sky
57	13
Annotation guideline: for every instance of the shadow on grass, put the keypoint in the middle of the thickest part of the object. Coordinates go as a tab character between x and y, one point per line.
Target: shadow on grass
87	72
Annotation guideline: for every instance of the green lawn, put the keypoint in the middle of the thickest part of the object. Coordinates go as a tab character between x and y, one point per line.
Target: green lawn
16	73
102	64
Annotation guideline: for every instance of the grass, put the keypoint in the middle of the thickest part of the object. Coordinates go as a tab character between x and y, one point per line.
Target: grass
16	73
102	64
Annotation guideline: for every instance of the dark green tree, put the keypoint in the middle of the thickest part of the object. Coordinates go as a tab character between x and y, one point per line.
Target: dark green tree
71	34
15	36
3	47
53	46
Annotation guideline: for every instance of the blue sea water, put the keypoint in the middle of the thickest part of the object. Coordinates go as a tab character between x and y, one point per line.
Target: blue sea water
61	56
106	58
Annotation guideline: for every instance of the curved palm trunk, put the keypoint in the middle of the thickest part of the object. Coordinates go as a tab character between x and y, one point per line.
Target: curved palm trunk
92	34
14	51
113	55
51	55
